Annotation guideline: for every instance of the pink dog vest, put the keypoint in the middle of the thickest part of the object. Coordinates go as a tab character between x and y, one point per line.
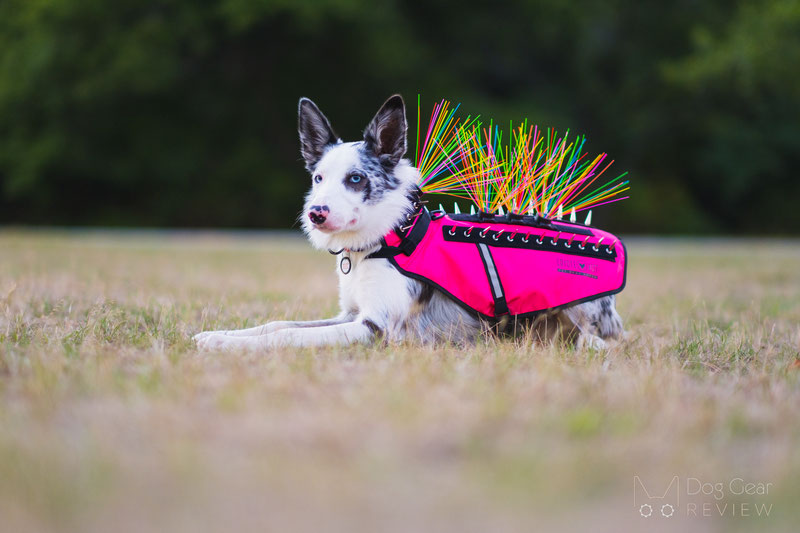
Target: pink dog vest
496	265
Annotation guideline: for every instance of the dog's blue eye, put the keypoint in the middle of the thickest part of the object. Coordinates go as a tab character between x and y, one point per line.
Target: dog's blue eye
317	178
355	178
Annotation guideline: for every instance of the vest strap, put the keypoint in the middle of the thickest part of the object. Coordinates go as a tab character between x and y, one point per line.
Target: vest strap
408	243
498	294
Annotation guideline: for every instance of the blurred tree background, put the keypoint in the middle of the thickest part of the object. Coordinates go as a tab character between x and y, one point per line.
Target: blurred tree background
182	112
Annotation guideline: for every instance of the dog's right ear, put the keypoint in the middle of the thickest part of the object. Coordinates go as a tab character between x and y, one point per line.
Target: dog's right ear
386	134
315	132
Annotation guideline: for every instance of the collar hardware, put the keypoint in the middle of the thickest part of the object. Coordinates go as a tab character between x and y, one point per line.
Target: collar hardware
345	265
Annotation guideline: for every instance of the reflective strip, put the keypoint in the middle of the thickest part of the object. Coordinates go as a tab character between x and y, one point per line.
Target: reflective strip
497	289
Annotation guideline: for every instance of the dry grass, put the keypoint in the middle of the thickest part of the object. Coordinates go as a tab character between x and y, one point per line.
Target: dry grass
111	420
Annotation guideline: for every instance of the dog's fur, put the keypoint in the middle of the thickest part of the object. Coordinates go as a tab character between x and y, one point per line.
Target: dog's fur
360	191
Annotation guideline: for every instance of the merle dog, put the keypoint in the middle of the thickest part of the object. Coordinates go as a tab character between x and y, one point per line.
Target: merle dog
359	192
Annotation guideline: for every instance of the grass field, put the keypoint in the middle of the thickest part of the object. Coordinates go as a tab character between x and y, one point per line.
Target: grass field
110	419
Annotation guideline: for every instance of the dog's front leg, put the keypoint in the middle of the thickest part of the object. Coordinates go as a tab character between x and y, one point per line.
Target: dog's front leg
338	334
271	327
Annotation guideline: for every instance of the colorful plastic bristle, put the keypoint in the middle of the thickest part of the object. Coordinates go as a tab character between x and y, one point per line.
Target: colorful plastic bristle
531	172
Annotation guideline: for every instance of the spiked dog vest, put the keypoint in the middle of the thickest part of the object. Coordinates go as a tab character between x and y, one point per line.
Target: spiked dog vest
508	265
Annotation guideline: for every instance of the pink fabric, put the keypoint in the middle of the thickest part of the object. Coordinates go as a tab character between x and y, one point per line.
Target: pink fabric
533	280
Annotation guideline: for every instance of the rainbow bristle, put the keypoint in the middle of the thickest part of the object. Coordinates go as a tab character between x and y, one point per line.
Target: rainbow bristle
533	172
437	156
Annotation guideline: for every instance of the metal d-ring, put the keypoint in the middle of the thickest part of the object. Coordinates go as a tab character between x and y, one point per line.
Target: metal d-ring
496	236
468	231
483	233
452	231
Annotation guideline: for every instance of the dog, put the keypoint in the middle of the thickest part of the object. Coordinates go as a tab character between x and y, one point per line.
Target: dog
359	192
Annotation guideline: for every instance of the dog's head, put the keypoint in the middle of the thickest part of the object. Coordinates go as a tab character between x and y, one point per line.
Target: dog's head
359	190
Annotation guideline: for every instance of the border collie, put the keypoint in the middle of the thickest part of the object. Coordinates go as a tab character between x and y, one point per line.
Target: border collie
359	192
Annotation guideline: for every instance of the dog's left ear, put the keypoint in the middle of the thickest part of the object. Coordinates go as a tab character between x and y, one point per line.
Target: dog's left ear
315	131
386	134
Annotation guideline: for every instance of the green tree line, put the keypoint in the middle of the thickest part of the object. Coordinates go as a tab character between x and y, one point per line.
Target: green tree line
182	113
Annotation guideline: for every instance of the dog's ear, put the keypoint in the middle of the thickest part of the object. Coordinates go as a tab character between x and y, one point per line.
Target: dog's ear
386	134
315	132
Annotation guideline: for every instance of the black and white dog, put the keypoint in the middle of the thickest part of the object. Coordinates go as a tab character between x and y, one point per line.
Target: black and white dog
360	191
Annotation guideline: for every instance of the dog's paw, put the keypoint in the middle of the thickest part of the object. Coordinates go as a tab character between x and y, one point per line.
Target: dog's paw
591	342
220	342
204	334
214	341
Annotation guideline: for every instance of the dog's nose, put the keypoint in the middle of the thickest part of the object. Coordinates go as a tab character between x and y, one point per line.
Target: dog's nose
318	213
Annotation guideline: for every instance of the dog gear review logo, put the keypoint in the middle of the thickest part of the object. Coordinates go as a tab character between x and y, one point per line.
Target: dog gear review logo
736	498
